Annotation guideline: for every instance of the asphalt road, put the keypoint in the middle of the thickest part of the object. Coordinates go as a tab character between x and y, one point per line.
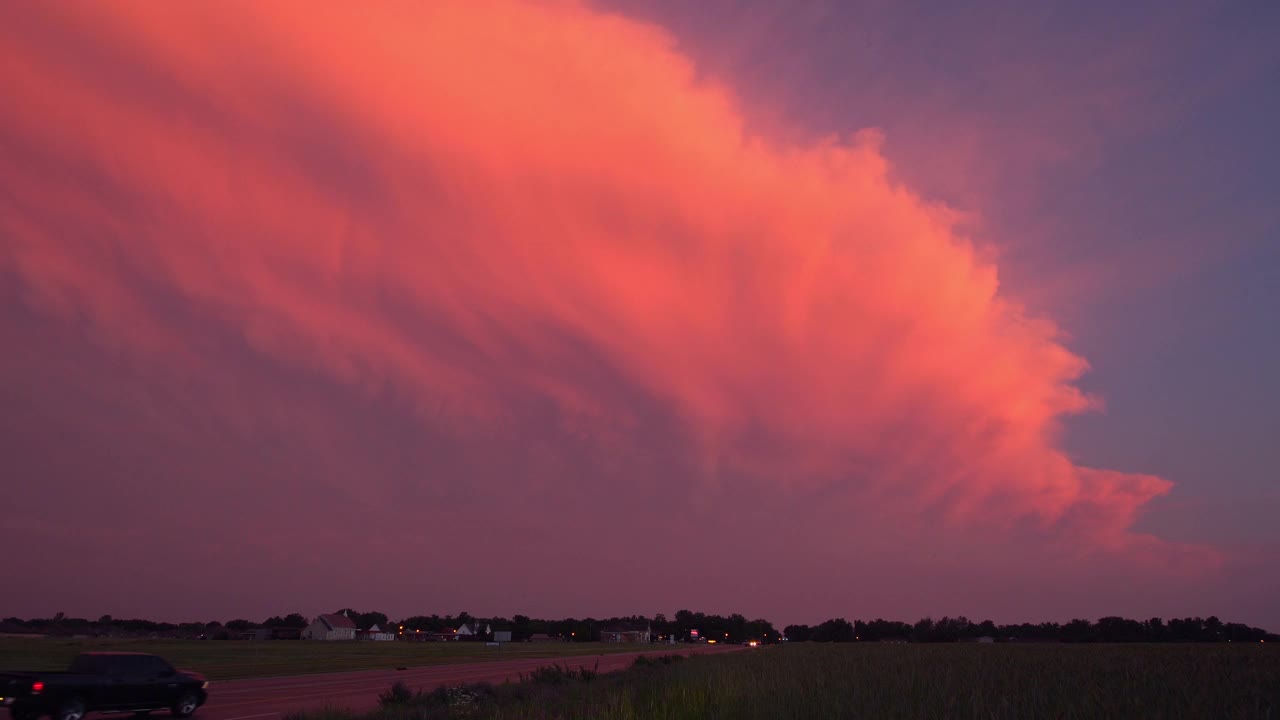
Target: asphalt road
269	698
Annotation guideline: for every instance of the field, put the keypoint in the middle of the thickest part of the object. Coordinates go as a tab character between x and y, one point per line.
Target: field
887	681
222	660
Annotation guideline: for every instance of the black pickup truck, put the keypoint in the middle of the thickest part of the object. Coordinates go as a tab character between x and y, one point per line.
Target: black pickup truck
103	682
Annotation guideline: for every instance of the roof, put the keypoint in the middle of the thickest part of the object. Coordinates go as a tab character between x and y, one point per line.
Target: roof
336	621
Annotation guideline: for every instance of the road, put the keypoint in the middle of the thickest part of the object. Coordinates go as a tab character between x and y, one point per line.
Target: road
269	698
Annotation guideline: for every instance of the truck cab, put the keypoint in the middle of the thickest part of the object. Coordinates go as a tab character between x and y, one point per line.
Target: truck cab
103	682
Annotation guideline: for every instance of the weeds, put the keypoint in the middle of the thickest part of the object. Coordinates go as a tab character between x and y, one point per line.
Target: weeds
559	675
645	661
399	694
867	680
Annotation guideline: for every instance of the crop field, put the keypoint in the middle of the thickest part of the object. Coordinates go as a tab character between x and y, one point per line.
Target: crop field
222	660
1219	681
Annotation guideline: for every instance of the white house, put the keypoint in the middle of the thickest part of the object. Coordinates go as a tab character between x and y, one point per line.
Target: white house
330	627
472	629
377	633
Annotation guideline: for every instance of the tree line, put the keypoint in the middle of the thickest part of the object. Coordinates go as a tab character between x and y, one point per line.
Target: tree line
1111	629
687	626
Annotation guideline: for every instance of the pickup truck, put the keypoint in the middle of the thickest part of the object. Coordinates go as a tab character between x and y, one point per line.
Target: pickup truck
103	682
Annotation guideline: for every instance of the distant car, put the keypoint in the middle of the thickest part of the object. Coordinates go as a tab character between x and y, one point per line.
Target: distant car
103	682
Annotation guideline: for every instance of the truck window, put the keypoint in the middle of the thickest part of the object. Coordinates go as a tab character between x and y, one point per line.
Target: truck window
89	665
135	665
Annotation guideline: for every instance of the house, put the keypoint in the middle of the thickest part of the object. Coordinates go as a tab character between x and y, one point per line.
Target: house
473	631
626	633
377	633
330	627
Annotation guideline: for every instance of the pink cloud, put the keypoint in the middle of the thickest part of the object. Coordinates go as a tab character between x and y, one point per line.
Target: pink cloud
468	206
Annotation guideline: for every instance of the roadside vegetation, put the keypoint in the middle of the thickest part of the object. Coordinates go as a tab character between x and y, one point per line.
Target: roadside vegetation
871	680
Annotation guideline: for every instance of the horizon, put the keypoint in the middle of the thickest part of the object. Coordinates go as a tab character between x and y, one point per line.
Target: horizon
811	309
670	617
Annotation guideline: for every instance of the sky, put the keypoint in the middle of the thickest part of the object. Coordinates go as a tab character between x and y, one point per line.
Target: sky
794	309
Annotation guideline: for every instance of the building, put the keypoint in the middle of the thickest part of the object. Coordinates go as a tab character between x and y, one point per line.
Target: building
626	633
330	627
473	631
376	633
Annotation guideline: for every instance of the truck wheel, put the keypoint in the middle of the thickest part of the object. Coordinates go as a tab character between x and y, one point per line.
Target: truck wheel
72	709
186	706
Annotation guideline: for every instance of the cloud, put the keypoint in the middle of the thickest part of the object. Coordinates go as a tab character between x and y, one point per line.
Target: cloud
484	208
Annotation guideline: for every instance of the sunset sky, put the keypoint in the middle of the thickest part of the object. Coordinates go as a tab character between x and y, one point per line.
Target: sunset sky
793	309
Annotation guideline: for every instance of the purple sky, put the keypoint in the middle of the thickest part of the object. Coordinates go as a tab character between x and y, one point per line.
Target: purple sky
798	310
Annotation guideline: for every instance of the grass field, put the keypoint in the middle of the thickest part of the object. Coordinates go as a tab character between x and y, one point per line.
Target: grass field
222	660
1217	681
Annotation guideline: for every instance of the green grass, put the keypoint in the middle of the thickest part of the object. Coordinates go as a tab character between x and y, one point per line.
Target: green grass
1064	682
222	660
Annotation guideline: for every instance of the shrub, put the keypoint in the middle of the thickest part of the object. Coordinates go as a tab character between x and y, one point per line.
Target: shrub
558	675
399	694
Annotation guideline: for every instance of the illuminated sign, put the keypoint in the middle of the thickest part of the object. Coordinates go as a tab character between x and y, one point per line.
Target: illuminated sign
693	633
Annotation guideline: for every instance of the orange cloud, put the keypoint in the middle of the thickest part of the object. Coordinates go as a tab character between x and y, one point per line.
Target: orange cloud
460	202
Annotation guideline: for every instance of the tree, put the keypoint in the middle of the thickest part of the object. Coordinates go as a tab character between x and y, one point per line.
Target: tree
369	619
105	620
797	633
1077	631
835	630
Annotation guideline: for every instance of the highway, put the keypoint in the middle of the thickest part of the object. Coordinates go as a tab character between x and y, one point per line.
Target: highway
269	698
